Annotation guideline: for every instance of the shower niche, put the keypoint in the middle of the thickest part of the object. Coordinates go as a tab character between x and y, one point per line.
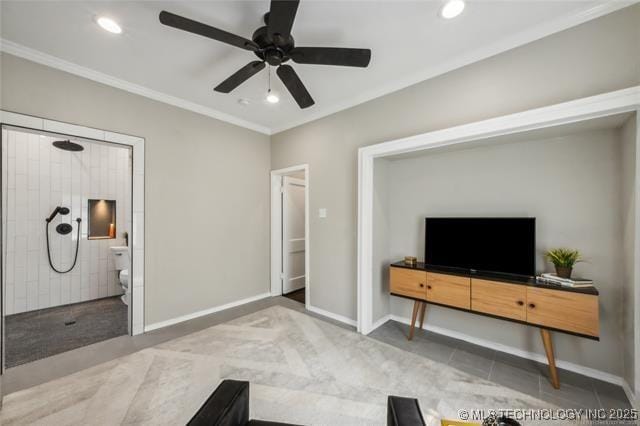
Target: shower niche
102	219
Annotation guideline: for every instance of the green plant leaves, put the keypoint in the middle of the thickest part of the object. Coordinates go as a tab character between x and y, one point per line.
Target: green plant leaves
563	257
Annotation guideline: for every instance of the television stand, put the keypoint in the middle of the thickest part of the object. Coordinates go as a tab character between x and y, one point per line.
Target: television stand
517	299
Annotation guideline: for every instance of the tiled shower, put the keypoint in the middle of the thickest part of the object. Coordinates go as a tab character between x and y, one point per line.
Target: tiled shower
37	177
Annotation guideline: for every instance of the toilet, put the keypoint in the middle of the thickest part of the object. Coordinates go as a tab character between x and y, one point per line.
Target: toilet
122	262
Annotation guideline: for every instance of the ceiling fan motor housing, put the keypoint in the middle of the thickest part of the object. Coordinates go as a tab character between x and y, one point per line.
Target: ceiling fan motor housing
273	49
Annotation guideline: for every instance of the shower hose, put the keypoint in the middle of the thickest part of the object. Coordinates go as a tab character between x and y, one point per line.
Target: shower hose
75	258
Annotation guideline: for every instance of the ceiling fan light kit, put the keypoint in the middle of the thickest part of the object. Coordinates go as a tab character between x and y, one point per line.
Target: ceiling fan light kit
452	8
273	44
272	98
109	25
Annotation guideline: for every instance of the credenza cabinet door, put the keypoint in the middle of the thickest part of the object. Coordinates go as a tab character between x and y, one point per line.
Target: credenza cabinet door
564	310
450	290
408	282
500	299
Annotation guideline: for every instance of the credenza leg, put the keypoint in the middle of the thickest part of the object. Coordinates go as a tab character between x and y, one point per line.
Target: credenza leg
414	314
548	348
423	307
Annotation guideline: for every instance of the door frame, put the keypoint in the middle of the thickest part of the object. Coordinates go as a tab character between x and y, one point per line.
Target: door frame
276	230
289	180
136	237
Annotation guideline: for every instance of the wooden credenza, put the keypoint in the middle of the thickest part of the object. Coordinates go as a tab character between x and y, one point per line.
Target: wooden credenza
521	300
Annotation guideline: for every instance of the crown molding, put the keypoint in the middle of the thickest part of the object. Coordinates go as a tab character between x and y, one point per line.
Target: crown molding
519	39
508	43
33	55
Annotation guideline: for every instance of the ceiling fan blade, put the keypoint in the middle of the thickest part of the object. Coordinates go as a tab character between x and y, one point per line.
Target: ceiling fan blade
240	76
331	56
186	24
281	16
295	86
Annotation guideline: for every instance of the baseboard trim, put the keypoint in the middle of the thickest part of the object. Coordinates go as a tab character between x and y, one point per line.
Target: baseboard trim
630	395
333	316
380	322
566	365
204	312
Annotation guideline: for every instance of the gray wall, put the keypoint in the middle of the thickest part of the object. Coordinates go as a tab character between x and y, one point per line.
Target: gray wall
628	173
596	57
570	184
381	253
197	245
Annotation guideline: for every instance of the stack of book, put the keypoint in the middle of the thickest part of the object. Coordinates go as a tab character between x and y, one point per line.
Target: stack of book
566	282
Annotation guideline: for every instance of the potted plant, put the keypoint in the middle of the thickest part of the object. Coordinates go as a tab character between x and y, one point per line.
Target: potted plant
563	259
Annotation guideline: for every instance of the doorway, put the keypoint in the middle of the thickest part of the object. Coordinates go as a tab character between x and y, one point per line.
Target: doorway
66	213
290	233
68	132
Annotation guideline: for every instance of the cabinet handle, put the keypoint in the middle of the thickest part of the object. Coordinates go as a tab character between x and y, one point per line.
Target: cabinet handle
532	305
421	285
429	287
520	302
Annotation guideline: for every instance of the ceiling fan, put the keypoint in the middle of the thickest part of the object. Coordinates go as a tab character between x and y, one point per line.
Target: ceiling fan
273	44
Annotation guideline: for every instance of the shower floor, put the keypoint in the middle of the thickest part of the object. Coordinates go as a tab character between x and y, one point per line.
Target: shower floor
39	334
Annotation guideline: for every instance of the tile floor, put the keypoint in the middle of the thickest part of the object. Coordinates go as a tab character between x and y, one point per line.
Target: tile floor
520	374
302	370
63	364
527	376
45	332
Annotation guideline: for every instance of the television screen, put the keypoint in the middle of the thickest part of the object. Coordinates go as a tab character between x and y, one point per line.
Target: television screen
502	245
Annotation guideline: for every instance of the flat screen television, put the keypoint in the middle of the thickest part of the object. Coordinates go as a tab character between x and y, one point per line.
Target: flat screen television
499	245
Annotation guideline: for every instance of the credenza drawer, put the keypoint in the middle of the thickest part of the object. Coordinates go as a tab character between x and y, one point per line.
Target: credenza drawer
564	310
500	299
450	290
408	282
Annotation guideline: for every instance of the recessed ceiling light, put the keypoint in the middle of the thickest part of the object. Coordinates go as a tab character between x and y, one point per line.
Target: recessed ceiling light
272	98
109	24
452	8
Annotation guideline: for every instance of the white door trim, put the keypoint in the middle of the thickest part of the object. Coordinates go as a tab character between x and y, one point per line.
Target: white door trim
276	230
137	232
620	101
136	319
288	180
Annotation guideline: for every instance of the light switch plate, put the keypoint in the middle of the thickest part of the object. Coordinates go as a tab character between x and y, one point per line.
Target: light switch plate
322	213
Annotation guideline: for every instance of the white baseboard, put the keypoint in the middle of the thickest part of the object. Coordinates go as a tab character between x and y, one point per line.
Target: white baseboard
380	322
204	312
333	316
632	397
566	365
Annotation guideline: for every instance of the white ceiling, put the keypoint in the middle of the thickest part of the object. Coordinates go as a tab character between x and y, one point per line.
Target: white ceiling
409	43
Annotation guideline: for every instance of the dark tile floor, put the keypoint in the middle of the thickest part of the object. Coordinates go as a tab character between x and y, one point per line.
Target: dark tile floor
39	334
297	295
523	375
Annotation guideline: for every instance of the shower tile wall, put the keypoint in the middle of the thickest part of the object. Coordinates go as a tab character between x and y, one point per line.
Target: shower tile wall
36	177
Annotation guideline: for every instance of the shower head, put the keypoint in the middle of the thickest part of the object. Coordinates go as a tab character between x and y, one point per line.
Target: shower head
68	146
54	213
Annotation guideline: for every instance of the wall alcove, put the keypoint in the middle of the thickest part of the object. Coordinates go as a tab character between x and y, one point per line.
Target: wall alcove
102	219
583	152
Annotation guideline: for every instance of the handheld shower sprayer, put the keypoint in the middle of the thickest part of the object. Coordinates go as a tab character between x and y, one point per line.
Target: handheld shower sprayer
61	210
62	229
